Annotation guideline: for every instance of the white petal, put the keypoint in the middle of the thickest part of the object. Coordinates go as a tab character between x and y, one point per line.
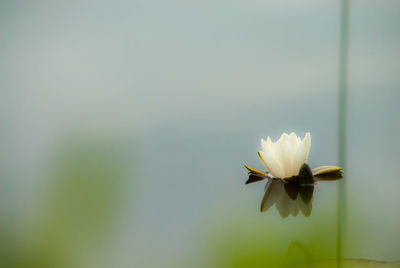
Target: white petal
271	162
284	157
284	137
302	152
307	145
288	146
263	145
293	143
293	139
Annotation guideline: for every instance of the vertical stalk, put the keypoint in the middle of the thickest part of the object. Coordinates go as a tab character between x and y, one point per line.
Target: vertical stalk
342	125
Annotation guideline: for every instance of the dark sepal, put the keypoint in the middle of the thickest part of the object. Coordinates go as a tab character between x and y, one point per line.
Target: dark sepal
254	178
305	175
330	176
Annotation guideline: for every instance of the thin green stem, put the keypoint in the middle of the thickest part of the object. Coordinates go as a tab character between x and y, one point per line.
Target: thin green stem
342	125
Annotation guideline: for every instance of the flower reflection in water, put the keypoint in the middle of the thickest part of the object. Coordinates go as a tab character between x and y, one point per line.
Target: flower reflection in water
289	198
292	196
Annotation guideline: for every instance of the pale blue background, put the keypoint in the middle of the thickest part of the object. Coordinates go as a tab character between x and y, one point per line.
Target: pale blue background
193	86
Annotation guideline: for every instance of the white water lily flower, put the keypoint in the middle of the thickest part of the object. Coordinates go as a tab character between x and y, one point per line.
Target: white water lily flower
284	157
288	172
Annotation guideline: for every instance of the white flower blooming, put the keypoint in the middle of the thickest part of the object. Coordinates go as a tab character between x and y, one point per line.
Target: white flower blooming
284	158
289	174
